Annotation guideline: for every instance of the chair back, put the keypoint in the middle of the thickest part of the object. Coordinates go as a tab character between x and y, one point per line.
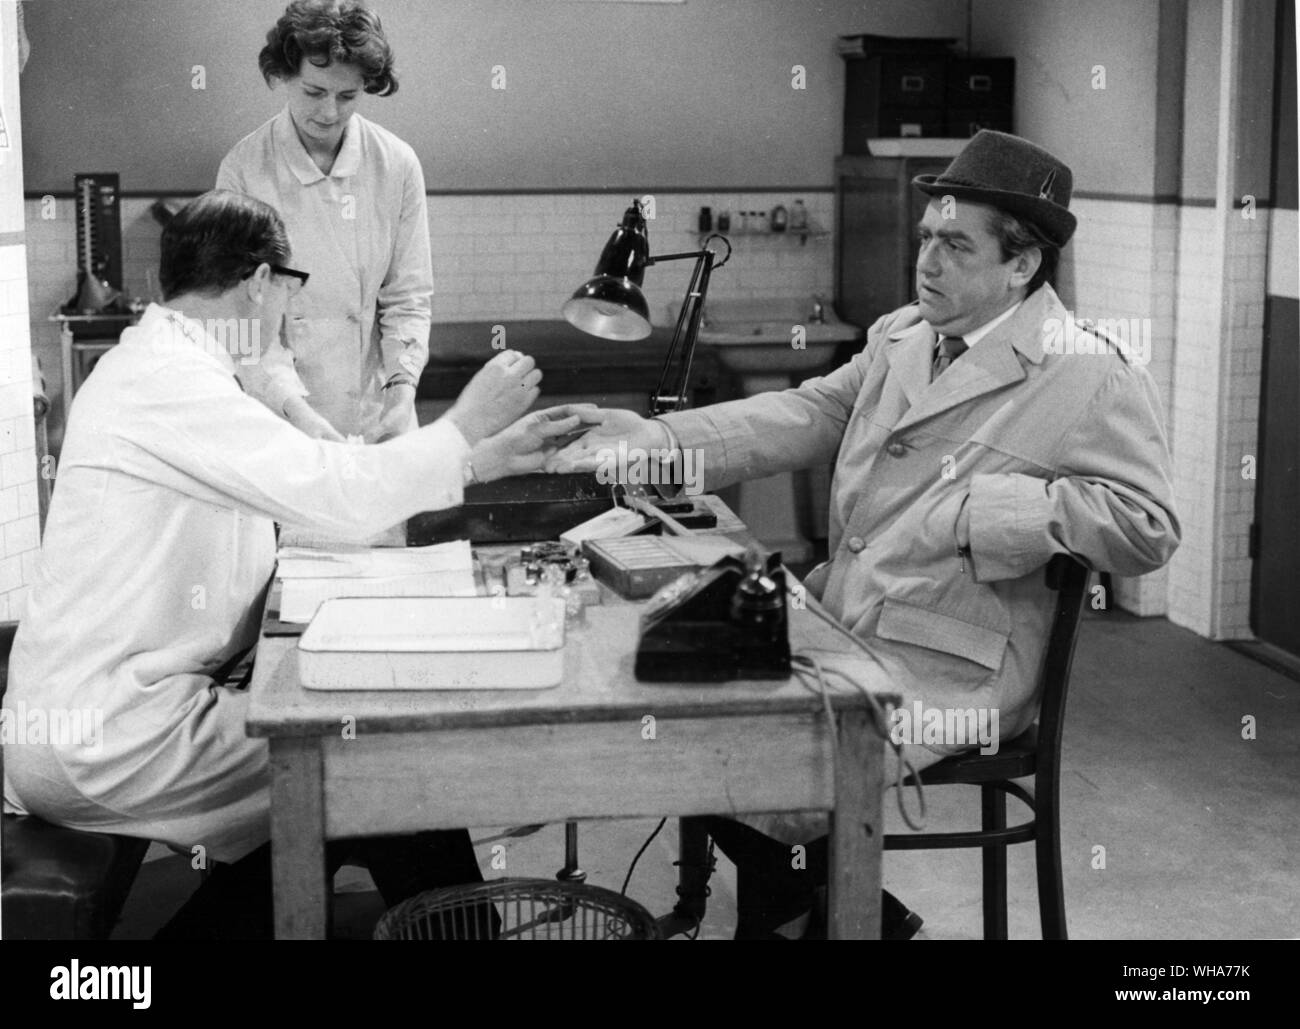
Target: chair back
1069	579
7	632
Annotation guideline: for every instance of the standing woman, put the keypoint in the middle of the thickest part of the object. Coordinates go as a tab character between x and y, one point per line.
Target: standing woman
352	197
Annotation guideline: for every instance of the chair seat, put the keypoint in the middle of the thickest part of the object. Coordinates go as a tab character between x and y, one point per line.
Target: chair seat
64	884
1014	760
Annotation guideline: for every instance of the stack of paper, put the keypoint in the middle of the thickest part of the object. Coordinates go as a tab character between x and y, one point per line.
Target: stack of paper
296	536
312	576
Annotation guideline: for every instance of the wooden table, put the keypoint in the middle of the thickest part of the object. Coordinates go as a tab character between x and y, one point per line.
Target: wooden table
600	745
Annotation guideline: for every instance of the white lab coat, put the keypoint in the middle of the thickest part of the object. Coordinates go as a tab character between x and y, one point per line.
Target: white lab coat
362	232
159	546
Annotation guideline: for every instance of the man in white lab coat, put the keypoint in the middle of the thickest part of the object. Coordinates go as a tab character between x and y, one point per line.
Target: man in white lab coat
979	432
160	544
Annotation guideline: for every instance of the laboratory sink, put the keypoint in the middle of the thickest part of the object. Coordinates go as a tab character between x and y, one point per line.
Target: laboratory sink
773	336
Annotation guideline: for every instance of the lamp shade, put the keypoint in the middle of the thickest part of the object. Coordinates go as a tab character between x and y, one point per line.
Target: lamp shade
610	304
610	308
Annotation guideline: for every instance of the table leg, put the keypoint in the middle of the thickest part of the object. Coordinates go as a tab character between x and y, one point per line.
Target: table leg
298	871
571	873
857	832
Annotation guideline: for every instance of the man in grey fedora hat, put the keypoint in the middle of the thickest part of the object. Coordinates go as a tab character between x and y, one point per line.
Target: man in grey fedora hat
967	454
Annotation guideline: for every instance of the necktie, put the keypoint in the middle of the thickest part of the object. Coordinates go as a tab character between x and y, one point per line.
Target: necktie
950	348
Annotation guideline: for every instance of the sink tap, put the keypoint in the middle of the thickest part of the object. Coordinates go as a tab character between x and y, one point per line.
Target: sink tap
818	316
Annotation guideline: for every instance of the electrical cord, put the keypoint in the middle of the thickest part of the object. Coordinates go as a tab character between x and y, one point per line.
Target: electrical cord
709	864
632	867
902	767
881	717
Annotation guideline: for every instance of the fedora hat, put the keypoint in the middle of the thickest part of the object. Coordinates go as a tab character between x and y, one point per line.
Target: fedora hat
1011	174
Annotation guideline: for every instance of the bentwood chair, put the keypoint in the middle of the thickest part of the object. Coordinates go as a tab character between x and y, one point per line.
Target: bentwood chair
1036	754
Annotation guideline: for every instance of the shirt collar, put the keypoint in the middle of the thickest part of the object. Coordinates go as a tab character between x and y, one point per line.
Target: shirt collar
300	162
975	335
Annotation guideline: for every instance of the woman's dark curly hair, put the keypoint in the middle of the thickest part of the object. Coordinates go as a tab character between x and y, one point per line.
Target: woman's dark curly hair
329	32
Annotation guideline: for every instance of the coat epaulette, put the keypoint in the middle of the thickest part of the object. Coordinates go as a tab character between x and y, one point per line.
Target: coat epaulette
1127	338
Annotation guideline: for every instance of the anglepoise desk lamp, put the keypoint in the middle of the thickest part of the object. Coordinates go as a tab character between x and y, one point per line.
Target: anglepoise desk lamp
611	305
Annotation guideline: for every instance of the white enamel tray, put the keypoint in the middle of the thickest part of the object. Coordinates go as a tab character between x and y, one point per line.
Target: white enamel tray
433	643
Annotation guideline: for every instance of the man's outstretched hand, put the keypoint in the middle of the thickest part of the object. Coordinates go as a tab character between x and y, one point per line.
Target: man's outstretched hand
614	426
528	444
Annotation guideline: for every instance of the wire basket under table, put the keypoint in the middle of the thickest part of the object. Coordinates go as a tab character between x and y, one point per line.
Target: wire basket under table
518	909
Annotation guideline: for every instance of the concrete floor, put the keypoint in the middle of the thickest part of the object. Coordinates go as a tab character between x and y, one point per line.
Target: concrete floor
1174	826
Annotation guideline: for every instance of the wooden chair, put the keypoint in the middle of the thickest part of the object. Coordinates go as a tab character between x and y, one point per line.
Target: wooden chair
60	884
1035	753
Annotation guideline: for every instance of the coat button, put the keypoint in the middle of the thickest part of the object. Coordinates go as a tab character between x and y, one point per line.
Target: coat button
896	449
857	545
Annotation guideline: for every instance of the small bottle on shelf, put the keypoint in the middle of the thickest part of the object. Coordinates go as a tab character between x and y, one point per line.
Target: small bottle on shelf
798	216
724	221
777	222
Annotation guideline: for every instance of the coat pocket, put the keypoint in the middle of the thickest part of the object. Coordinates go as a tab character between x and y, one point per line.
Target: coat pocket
924	627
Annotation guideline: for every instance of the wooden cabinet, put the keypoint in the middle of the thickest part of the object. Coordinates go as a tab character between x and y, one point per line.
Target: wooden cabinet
876	213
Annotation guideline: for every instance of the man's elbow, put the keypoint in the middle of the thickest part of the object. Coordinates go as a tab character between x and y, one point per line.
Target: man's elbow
1150	544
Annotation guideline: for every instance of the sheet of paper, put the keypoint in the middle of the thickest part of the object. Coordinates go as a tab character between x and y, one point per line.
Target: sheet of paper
368	562
300	598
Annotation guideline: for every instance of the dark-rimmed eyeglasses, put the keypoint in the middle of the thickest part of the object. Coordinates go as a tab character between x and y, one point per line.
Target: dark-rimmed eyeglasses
300	278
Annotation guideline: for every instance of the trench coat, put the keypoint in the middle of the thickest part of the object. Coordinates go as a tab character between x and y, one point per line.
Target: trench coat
362	233
158	549
1049	453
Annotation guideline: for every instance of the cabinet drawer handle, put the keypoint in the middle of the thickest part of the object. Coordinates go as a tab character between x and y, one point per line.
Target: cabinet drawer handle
913	84
980	84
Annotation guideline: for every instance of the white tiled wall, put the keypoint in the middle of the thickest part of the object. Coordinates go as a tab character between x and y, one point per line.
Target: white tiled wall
1241	332
1158	261
495	256
1122	264
521	256
19	518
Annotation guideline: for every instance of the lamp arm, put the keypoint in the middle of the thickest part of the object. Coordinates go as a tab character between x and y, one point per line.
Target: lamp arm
682	348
